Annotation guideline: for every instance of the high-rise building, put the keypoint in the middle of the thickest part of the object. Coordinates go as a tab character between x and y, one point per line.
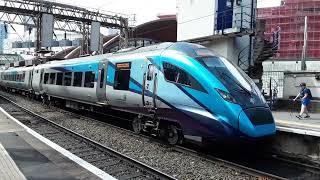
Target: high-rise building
290	18
3	35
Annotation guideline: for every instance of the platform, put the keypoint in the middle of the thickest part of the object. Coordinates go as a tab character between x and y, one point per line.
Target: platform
288	122
24	154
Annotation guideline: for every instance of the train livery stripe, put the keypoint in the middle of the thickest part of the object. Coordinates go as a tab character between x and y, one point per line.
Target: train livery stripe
195	100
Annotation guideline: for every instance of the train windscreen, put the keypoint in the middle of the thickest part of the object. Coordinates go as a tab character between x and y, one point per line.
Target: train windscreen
227	71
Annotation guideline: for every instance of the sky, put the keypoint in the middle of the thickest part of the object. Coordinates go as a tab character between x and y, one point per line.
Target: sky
268	3
145	10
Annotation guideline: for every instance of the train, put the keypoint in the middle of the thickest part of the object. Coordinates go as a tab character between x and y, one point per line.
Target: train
179	91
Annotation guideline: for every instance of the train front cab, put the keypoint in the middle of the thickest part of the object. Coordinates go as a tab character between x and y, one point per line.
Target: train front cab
230	105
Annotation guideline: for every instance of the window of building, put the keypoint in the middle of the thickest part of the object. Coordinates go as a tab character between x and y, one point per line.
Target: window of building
102	78
67	78
177	75
46	78
77	81
59	78
122	76
89	79
52	78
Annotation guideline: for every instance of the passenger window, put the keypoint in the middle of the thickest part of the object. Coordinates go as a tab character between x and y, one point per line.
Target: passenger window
176	75
67	78
77	81
59	78
89	79
102	78
122	76
52	78
46	78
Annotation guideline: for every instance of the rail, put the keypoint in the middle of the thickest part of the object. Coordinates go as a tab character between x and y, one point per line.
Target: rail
130	168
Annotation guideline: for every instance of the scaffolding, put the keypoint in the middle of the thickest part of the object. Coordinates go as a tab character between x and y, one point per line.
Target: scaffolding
290	18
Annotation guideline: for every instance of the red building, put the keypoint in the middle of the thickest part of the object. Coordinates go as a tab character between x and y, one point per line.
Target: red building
290	18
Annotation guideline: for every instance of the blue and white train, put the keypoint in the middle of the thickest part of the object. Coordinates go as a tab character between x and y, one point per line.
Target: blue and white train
176	90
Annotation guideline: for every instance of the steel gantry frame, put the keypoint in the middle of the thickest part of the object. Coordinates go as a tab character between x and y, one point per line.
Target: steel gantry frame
66	17
9	58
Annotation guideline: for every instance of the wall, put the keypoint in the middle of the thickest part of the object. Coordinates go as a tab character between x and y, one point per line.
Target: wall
195	18
276	69
293	79
225	47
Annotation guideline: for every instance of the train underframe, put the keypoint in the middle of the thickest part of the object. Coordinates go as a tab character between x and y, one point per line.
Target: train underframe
150	124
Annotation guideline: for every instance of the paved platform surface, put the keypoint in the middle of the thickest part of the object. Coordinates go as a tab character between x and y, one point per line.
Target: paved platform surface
287	121
25	156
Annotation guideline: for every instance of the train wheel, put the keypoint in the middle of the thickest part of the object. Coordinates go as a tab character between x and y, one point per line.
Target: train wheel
136	125
173	134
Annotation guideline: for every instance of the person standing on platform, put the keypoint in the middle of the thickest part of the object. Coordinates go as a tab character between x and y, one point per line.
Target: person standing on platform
306	96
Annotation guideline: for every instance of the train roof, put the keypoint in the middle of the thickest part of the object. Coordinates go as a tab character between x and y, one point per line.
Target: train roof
153	49
183	47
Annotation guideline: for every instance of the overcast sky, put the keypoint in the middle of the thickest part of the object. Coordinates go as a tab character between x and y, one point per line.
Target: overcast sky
145	10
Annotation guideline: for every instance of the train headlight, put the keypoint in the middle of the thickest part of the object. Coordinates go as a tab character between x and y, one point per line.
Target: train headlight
226	96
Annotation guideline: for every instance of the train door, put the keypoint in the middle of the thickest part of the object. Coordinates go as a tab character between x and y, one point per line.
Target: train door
41	79
101	85
149	92
30	79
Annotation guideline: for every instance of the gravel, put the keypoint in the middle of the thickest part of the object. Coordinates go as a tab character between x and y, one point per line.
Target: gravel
177	164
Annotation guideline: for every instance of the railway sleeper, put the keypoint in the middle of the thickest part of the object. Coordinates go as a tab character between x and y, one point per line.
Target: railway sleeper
133	175
90	154
79	149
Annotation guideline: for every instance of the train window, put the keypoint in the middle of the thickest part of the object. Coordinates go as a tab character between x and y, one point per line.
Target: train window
89	79
67	78
122	76
77	81
121	79
46	78
52	78
59	78
176	75
102	78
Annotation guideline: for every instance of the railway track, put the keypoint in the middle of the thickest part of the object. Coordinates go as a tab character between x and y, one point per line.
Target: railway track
265	166
273	167
112	162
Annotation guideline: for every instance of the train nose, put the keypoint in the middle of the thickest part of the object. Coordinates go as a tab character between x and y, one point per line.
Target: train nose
256	122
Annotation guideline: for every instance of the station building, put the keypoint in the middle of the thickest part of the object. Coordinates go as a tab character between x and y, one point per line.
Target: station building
225	26
289	20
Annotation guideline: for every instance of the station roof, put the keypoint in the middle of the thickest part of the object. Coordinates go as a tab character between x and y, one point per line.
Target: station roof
163	29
